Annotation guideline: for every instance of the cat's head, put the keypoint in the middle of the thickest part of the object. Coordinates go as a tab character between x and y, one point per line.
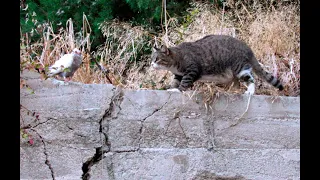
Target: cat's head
161	58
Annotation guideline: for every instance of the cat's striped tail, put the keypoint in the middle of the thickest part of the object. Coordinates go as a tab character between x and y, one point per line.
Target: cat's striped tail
265	75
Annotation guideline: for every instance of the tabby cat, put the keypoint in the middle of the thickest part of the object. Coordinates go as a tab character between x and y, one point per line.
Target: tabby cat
214	58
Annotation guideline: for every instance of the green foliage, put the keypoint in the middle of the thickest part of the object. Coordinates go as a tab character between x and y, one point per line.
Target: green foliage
57	12
219	3
190	17
148	12
125	42
35	15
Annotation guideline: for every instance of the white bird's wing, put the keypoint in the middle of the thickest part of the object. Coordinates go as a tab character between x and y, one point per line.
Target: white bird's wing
63	63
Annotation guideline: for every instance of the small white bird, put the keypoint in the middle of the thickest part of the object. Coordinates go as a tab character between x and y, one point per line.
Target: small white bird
67	65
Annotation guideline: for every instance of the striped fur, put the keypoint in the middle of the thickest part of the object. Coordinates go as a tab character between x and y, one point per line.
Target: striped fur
214	58
266	76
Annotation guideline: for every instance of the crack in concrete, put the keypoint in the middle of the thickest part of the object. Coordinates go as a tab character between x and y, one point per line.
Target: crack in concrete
86	167
144	119
32	128
70	128
125	151
116	99
29	126
98	156
212	133
211	125
47	162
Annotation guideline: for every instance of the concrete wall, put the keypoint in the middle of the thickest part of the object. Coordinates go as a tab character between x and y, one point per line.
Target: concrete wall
102	132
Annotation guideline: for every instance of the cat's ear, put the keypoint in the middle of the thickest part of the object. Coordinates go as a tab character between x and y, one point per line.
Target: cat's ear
164	49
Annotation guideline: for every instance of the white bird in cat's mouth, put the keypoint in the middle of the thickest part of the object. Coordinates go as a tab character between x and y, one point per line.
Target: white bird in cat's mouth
67	65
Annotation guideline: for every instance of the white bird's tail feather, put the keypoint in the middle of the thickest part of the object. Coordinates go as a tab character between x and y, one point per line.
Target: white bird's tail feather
53	70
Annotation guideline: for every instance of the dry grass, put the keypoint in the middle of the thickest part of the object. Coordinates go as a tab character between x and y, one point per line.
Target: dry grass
273	33
275	39
52	46
122	53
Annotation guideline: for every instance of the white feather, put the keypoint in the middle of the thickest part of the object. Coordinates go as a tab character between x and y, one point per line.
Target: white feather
63	63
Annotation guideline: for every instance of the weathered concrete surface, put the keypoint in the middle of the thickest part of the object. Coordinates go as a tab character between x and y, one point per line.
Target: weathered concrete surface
102	132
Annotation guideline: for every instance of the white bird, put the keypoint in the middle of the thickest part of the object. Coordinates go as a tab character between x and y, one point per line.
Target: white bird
67	65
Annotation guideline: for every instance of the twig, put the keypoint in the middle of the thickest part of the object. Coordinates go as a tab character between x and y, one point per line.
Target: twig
222	18
176	116
165	22
45	153
244	7
104	71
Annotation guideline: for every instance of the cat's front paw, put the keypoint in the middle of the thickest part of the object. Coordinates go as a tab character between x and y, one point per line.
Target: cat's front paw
174	90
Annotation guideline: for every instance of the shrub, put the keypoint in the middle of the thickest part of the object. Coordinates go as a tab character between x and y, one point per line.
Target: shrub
35	14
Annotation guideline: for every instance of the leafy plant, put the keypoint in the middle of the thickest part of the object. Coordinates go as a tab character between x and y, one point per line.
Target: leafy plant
36	15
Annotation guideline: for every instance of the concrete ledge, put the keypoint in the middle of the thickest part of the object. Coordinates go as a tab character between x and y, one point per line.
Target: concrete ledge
103	132
189	163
